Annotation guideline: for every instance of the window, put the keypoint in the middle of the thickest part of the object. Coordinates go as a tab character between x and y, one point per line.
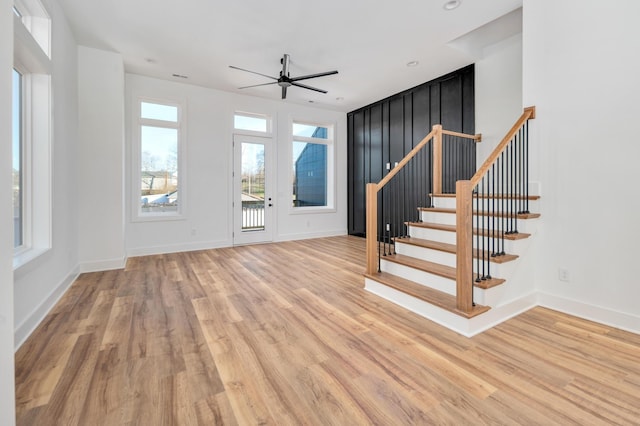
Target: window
31	134
17	153
245	121
158	165
312	171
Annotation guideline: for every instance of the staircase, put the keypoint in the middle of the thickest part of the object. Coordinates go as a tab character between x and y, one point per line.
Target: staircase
457	261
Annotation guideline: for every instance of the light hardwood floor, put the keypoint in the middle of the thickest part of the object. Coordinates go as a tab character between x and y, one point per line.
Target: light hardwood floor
284	334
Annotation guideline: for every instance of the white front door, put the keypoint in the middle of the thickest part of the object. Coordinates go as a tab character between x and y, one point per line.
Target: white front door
253	206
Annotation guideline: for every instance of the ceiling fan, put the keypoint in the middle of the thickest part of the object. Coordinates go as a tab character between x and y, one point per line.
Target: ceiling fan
285	80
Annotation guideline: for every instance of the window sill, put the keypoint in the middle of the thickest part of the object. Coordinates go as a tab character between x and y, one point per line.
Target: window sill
158	217
23	258
312	210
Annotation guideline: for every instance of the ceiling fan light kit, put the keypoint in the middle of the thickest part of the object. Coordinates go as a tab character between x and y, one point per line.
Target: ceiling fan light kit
285	80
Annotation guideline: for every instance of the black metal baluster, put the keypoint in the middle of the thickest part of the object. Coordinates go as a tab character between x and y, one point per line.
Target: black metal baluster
493	210
475	208
396	215
387	221
481	228
520	191
380	198
526	162
513	189
516	177
487	231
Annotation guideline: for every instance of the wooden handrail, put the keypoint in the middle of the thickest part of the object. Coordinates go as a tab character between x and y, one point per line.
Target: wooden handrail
477	137
528	113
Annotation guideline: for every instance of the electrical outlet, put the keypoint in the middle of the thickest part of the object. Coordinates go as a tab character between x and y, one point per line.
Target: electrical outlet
563	274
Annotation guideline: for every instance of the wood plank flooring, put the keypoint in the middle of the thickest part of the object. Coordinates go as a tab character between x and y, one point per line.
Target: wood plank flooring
284	334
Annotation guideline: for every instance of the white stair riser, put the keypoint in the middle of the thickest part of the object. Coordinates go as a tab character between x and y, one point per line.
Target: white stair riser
450	203
436	256
523	225
420	277
500	270
432	234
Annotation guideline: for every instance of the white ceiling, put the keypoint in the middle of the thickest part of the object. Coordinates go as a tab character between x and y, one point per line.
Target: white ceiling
368	42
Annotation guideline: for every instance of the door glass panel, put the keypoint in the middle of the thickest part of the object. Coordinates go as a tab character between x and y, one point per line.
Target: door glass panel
253	186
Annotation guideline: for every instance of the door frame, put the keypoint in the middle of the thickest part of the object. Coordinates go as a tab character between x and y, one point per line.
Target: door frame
239	236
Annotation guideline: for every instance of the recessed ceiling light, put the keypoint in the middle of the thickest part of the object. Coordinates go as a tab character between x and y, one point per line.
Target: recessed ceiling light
311	102
339	98
150	61
452	4
412	63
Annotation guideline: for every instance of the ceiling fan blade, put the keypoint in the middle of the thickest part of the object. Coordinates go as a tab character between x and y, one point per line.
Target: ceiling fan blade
304	86
252	72
321	74
256	85
284	92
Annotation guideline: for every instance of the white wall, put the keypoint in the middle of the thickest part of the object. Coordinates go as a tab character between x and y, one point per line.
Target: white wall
580	68
209	131
42	281
100	183
498	92
7	391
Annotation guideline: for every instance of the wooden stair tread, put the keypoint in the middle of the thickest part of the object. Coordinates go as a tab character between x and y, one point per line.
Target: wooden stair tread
437	269
429	295
451	248
480	213
496	196
452	228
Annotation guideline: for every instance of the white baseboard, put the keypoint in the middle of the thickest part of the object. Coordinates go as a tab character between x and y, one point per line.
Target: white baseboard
103	265
24	329
606	316
175	248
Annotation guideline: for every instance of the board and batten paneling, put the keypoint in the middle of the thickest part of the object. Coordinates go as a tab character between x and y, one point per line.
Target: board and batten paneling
382	133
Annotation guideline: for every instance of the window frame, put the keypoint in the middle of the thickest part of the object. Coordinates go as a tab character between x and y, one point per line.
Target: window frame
32	40
331	171
137	214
